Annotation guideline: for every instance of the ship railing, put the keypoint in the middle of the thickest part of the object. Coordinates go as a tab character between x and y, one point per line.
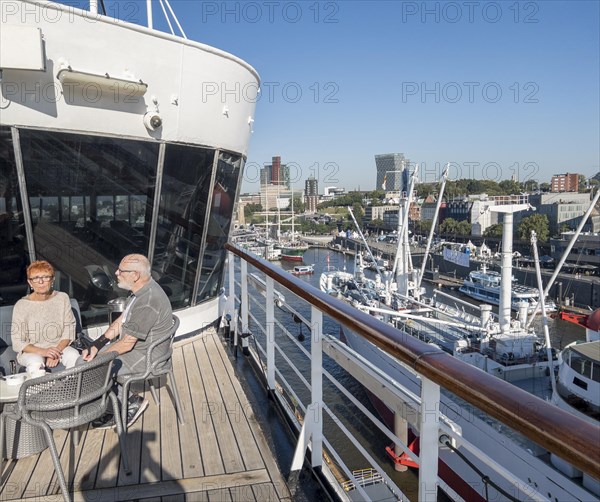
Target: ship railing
364	477
167	10
550	428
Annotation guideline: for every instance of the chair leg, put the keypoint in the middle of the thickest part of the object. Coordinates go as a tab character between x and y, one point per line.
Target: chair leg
56	461
153	391
124	404
76	435
175	392
73	441
2	433
122	434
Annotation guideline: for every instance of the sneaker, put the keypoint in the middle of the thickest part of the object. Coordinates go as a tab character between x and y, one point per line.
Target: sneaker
135	399
136	409
106	421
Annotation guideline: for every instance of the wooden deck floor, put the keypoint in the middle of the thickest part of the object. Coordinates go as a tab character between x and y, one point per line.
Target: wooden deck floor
218	454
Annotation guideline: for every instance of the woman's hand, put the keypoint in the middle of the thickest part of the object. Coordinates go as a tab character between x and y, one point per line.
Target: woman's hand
52	355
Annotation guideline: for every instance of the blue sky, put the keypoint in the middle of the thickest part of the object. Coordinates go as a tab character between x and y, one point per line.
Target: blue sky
497	88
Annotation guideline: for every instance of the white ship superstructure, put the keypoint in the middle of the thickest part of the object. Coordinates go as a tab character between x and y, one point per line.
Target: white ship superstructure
117	138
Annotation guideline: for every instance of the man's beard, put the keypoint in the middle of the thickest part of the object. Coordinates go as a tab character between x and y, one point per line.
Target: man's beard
124	284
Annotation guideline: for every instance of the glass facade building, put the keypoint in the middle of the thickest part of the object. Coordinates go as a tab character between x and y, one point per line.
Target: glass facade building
82	202
393	172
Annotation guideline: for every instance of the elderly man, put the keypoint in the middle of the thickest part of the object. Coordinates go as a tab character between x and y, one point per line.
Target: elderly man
147	316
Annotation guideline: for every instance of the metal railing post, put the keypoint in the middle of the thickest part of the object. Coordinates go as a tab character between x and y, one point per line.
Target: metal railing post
428	440
312	427
270	333
231	298
245	313
315	410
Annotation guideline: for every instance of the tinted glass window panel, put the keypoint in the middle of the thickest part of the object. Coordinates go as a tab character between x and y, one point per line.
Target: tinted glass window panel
90	199
13	243
182	211
221	214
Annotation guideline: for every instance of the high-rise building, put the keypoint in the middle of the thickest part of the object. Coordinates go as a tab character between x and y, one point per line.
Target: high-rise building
393	172
275	173
565	183
311	195
265	175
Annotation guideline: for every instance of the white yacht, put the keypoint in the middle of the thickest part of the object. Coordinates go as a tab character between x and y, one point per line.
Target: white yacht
484	285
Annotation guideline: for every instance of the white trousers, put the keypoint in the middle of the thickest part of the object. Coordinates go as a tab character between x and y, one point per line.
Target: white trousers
34	362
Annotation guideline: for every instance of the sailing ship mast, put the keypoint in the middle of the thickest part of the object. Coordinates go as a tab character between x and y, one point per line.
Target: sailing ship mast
433	223
402	260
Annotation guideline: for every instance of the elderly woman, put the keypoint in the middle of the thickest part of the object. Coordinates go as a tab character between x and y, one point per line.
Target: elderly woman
43	325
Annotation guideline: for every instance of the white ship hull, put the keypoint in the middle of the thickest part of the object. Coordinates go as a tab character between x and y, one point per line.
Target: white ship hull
493	439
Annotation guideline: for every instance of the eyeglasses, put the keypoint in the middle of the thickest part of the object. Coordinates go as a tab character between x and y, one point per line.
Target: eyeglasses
121	271
41	278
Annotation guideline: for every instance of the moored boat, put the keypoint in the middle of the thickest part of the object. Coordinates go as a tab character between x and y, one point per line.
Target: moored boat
484	285
303	269
292	250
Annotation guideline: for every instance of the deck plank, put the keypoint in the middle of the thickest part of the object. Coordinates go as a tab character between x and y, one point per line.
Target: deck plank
222	495
261	443
150	453
219	453
264	492
209	447
169	430
136	435
217	409
239	415
43	481
191	456
87	468
109	458
17	475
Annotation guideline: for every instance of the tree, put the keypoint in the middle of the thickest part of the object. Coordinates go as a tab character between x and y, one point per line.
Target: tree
250	209
493	230
376	195
358	211
544	187
531	185
463	228
422	226
563	228
537	222
510	187
299	206
449	226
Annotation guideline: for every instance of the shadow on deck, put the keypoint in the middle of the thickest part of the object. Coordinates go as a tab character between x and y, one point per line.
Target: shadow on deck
219	453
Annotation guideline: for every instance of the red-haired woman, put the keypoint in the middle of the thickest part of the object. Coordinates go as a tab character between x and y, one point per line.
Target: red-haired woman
43	325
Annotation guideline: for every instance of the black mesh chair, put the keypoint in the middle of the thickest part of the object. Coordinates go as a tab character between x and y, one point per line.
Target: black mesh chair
66	400
156	366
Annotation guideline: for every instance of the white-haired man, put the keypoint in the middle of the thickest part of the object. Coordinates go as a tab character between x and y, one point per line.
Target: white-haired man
146	317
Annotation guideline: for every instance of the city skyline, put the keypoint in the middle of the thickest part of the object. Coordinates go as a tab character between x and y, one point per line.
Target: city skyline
498	89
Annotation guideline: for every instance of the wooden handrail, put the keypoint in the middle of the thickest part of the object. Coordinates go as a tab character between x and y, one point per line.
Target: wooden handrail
558	431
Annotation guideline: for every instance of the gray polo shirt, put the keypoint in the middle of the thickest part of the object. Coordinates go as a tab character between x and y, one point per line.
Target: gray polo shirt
148	316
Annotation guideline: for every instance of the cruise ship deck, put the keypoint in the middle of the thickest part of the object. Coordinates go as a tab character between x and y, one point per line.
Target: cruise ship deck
219	453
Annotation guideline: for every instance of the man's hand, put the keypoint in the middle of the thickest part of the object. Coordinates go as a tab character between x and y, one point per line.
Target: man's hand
88	355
